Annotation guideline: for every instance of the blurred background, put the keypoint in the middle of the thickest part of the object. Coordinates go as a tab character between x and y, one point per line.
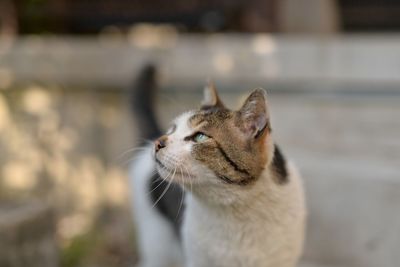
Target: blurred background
332	70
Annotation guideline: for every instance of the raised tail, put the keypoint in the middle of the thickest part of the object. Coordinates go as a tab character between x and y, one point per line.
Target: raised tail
142	99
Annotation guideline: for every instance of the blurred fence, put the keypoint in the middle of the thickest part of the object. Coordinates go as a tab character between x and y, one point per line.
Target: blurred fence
333	63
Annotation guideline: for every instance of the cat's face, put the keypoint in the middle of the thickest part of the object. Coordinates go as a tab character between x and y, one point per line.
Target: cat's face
215	145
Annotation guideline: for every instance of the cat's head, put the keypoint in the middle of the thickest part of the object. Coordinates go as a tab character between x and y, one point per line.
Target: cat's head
216	146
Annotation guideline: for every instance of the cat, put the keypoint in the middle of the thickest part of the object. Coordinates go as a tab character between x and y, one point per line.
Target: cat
214	190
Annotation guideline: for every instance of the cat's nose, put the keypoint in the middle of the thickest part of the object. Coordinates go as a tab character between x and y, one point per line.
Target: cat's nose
160	143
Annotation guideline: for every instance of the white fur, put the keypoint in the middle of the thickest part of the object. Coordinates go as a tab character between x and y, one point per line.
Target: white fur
265	230
157	243
176	156
224	225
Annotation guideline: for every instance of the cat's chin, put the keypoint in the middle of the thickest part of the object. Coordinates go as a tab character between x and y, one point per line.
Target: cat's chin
176	175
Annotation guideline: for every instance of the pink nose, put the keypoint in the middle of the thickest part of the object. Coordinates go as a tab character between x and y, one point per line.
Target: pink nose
160	143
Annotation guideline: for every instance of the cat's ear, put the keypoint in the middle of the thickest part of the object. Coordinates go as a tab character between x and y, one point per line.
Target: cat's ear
210	97
254	115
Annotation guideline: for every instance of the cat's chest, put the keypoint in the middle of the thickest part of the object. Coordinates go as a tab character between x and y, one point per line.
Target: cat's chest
216	241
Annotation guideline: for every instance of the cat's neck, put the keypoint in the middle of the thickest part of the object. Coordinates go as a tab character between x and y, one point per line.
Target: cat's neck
238	200
251	225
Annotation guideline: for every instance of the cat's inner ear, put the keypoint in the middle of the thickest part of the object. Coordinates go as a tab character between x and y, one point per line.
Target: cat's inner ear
210	97
254	118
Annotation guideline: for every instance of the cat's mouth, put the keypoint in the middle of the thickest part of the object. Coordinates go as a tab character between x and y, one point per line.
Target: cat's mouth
171	171
159	163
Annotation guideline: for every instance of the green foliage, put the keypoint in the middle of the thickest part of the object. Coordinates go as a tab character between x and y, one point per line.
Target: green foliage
75	253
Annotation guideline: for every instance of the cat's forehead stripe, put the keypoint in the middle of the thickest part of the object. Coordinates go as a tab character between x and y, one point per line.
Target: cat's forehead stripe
212	116
196	119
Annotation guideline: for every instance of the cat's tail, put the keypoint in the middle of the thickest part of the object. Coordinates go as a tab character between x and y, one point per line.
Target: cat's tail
142	98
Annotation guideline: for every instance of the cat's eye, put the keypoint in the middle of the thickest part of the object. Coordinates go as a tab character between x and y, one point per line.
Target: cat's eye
200	137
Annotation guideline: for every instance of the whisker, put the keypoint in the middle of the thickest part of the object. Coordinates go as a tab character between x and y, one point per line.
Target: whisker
190	178
157	186
160	179
165	190
182	198
123	164
140	148
157	179
169	184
